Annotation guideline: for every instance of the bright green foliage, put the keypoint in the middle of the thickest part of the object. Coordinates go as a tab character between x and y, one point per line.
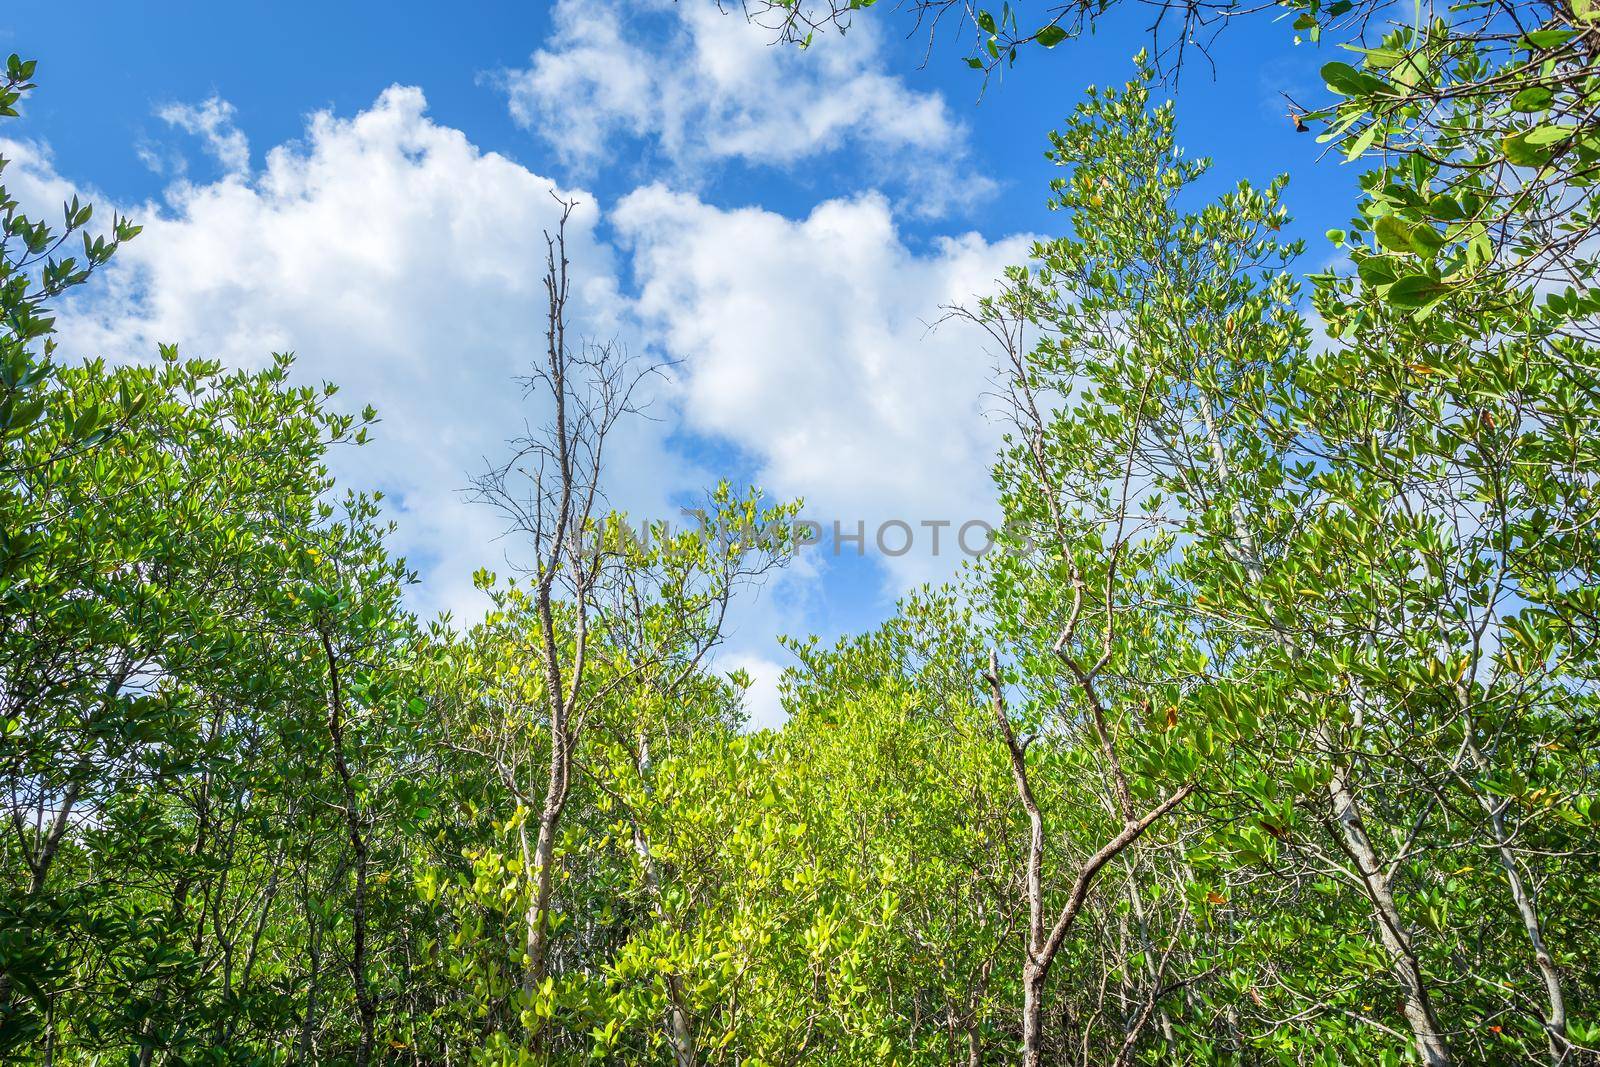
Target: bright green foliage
827	889
1133	454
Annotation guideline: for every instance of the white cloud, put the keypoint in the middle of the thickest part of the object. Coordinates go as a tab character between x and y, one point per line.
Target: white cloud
807	344
212	121
706	87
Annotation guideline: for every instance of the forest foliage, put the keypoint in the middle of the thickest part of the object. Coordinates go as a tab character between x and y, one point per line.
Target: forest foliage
1264	735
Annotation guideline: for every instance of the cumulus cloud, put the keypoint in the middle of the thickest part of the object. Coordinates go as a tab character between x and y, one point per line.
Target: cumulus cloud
711	88
807	343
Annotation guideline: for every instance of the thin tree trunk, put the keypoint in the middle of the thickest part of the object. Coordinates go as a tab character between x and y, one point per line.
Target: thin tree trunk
1034	975
1152	972
366	1008
180	899
1043	945
1526	901
1426	1033
76	780
537	918
40	863
311	1019
1527	904
232	1021
51	844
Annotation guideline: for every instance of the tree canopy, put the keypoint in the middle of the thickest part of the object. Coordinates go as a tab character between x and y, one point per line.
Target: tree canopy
1263	735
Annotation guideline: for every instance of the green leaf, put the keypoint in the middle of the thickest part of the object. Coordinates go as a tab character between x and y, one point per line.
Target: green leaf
1376	270
1393	234
1383	58
1535	147
1415	291
1346	80
1445	208
1050	35
1544	135
1425	240
1543	40
1361	143
1530	100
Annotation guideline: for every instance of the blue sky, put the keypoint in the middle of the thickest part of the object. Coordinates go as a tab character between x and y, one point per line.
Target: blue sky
365	186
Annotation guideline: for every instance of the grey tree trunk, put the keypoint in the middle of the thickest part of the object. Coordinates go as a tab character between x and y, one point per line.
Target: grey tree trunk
1426	1033
1525	900
1033	979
